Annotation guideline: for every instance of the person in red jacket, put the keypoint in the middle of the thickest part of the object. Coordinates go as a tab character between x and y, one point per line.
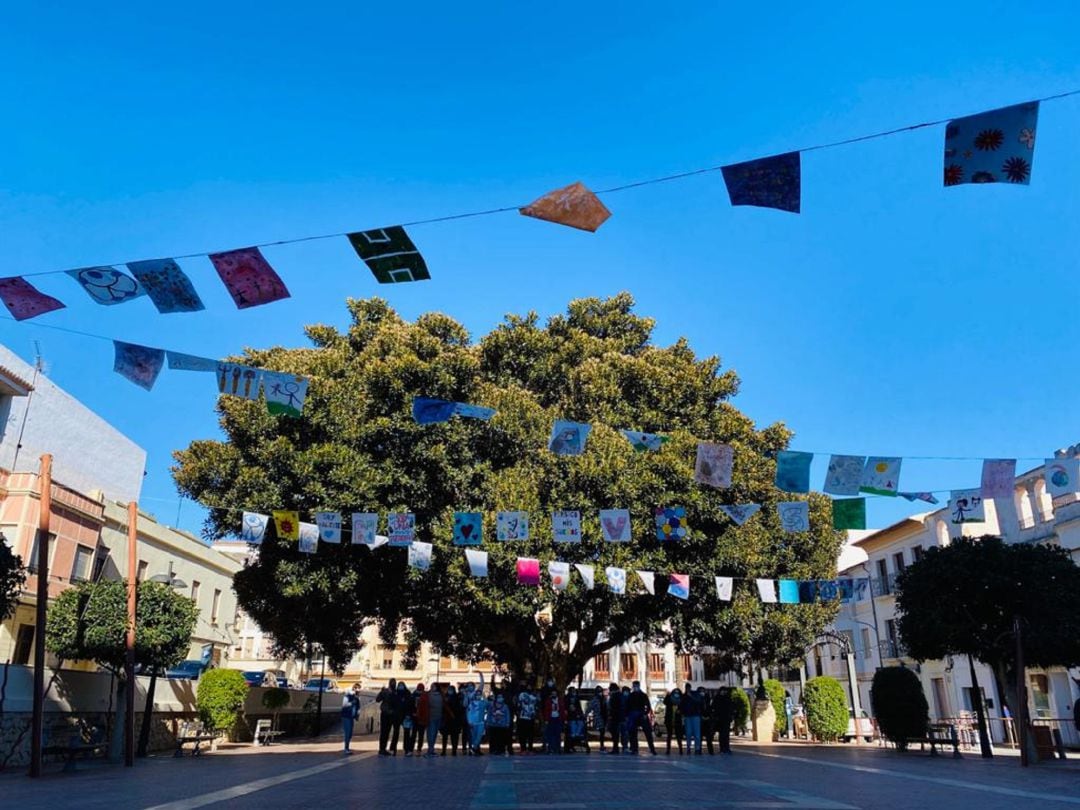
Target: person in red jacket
553	710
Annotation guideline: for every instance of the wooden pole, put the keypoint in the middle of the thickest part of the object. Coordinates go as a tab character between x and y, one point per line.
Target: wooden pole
37	723
129	663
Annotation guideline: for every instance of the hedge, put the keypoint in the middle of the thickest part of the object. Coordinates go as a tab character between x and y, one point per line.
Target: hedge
221	697
899	704
826	708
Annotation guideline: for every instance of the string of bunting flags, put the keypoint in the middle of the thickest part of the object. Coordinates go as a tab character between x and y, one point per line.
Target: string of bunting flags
997	146
328	528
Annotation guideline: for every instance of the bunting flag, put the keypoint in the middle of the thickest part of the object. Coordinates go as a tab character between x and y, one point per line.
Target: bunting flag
287	524
566	526
419	555
966	506
106	285
285	393
140	364
178	361
766	589
793	470
402	526
615	525
528	571
844	475
248	277
560	575
167	285
23	300
789	592
808	591
849	513
616	579
679	586
992	147
329	524
428	411
478	562
645	442
724	587
770	182
586	572
1062	476
714	464
998	477
648	580
390	255
574	205
671	523
468	528
568	438
239	381
512	526
364	526
928	497
881	475
794	516
860	589
740	512
309	538
253	528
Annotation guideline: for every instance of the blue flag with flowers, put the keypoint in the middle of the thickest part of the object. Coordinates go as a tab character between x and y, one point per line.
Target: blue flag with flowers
992	147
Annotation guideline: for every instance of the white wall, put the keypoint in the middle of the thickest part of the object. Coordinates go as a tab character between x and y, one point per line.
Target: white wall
88	452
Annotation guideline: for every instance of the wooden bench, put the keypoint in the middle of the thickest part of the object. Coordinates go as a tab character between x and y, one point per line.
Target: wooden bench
192	732
77	745
265	733
939	734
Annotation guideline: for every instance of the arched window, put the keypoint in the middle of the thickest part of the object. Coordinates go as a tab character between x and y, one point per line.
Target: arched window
1022	503
1044	506
941	528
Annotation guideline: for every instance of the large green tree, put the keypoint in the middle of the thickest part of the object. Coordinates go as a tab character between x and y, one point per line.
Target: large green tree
357	448
963	598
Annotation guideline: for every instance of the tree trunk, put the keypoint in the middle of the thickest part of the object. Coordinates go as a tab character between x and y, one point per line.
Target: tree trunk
116	739
147	717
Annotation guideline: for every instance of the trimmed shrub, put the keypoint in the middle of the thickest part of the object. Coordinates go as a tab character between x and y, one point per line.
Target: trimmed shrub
740	713
275	698
899	705
221	697
776	692
826	708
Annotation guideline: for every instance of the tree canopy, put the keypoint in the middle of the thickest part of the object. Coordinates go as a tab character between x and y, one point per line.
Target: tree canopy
357	448
89	623
12	577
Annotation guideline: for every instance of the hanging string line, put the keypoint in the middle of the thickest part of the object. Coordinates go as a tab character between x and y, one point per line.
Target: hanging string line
612	190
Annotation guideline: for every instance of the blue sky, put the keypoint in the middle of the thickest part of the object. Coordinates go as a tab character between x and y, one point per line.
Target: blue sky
892	316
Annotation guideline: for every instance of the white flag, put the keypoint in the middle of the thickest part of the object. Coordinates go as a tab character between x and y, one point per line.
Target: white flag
766	589
586	572
647	579
616	579
713	465
309	538
560	575
329	524
364	525
477	562
420	555
723	588
253	528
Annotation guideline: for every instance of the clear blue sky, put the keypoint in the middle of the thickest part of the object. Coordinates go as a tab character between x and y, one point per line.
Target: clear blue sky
892	317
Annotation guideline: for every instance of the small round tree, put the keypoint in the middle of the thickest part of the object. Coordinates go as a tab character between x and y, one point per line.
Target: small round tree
275	700
740	714
899	705
221	697
826	708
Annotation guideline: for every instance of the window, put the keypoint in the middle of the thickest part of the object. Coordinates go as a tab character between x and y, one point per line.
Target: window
602	664
1022	502
214	606
445	662
32	566
712	666
686	668
628	666
1040	695
898	562
80	567
969	695
140	572
916	553
866	651
942	533
941	702
387	657
24	644
893	639
100	558
883	578
656	664
195	590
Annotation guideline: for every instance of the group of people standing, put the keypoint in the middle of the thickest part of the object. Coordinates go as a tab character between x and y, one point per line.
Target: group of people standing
545	720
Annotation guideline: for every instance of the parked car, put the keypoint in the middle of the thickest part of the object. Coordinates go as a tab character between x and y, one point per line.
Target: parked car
866	727
187	670
328	685
256	677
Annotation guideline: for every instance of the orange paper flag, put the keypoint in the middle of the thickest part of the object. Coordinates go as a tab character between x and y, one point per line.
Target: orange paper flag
574	205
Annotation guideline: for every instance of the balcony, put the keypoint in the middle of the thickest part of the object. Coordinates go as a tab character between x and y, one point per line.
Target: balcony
893	649
883	586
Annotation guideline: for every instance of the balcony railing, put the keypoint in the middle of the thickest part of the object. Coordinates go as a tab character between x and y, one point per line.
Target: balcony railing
883	586
893	649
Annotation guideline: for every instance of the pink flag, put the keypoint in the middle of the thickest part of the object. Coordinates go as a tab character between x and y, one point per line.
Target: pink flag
23	300
248	277
528	571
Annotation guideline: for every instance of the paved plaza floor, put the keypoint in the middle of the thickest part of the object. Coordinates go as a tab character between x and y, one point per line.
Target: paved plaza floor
317	775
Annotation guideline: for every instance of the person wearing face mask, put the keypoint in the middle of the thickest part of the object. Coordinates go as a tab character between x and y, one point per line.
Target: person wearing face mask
673	721
527	703
553	709
692	706
616	718
390	717
476	712
498	725
637	716
411	722
598	714
431	713
453	719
